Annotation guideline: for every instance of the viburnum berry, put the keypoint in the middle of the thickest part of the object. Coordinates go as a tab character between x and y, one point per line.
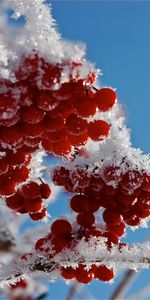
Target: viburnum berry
103	273
38	215
31	190
48	145
45	101
8	106
80	177
78	140
60	175
45	190
111	217
3	165
11	135
85	107
146	183
41	244
68	273
53	124
131	180
59	243
86	219
76	125
33	130
62	147
119	229
19	284
16	201
112	175
79	203
16	158
8	188
33	205
105	98
10	121
98	130
61	228
83	276
21	174
32	115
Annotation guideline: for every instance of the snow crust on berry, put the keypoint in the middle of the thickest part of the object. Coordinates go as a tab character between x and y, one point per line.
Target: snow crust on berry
40	33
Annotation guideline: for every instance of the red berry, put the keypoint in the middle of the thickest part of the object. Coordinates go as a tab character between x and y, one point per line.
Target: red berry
119	229
45	190
62	147
146	183
48	145
33	205
85	219
41	244
32	115
3	165
112	175
78	140
11	135
76	125
54	124
15	202
45	101
85	107
111	217
98	130
105	98
68	273
131	180
60	175
79	203
33	130
8	106
80	177
61	228
39	215
31	190
83	276
103	273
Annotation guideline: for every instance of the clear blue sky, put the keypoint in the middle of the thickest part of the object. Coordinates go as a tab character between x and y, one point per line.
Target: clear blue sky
118	41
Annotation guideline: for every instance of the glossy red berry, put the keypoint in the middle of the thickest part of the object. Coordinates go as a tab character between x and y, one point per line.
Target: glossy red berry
61	228
32	115
79	203
105	98
86	219
103	273
31	190
98	130
38	215
3	165
83	276
76	125
33	205
45	190
68	273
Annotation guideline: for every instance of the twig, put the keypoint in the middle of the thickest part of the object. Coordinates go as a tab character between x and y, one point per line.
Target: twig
120	290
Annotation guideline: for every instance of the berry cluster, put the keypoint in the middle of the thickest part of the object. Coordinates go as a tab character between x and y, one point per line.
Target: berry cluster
124	195
63	235
28	199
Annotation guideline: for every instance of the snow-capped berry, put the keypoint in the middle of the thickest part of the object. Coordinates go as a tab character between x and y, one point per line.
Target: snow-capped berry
105	98
98	130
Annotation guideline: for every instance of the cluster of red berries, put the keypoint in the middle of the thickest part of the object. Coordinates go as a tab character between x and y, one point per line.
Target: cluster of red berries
29	199
32	112
63	236
18	290
125	196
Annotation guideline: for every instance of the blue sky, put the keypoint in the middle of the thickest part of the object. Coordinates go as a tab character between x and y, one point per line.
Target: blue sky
118	41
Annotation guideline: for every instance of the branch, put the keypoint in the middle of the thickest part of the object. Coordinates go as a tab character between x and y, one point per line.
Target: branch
121	288
132	257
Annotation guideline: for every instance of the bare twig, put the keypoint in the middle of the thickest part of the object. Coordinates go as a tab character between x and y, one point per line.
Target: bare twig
121	288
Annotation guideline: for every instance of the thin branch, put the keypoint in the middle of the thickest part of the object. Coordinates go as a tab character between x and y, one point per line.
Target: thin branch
121	288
